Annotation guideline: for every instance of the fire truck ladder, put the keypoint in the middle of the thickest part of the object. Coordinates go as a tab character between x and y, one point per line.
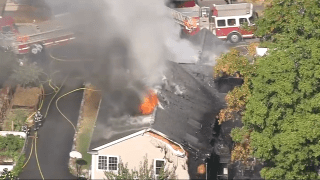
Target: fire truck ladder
182	19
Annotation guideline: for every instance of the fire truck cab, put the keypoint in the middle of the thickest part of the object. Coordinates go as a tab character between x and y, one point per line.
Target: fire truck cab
227	21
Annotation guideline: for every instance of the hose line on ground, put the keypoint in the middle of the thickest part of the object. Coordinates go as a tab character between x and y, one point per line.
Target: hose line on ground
65	60
54	97
42	99
35	149
75	130
29	154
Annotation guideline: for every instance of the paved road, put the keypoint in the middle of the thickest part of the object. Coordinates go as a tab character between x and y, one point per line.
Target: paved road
56	135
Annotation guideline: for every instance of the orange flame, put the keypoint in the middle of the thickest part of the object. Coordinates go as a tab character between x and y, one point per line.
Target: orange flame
149	103
191	25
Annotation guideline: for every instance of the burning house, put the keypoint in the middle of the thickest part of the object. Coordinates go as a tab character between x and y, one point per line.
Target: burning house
178	131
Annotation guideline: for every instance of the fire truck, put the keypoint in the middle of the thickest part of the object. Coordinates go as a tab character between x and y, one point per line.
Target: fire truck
24	38
232	22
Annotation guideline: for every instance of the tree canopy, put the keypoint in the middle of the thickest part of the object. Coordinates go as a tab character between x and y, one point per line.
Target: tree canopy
290	20
230	64
27	74
283	110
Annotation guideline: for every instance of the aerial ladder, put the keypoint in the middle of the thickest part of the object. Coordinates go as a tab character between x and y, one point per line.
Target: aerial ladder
188	22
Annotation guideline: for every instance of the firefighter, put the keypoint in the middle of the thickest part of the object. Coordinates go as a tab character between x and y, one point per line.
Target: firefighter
38	114
37	122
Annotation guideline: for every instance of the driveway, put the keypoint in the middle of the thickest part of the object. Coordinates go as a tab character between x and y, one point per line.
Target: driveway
56	135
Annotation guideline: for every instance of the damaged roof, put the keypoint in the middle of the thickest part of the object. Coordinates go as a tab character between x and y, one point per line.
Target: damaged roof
188	112
186	115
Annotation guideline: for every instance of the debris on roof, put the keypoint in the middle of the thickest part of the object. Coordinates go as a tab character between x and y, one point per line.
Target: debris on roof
187	113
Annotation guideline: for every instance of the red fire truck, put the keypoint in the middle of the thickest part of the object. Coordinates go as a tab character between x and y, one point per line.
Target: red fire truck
24	38
231	22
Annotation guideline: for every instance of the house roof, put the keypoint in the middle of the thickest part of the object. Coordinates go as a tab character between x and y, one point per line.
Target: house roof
109	129
185	115
189	113
185	119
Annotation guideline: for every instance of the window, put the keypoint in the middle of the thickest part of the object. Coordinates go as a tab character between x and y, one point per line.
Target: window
102	163
113	163
231	22
109	163
158	164
225	170
221	23
243	20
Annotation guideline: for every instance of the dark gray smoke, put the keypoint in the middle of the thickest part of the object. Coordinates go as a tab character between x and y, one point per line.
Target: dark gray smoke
129	42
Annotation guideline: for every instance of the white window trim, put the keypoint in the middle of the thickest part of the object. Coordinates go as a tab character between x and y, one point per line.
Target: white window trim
225	21
236	22
97	163
93	166
244	18
154	166
231	17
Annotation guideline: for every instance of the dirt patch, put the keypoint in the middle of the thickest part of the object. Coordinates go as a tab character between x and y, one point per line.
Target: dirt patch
26	97
5	97
90	108
86	122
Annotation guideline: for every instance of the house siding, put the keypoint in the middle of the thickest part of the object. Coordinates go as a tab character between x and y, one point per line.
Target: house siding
132	151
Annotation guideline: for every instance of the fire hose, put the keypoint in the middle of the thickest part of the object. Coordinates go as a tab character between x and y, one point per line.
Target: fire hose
34	141
36	134
35	149
29	155
54	97
75	130
65	60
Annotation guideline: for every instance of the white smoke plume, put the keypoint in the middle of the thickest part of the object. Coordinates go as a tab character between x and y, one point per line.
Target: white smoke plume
130	42
152	35
138	36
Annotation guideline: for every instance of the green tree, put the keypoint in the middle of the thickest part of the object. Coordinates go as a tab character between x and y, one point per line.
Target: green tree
283	111
228	65
290	20
27	74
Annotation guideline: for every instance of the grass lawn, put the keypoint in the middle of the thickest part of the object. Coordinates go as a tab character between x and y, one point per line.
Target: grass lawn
85	131
15	119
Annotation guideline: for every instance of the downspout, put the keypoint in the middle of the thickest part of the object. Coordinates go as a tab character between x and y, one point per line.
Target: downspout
206	171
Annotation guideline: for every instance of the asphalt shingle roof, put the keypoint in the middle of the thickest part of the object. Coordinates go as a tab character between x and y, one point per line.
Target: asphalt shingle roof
188	113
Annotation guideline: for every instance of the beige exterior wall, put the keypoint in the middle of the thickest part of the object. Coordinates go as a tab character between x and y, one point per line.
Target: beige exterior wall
132	151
